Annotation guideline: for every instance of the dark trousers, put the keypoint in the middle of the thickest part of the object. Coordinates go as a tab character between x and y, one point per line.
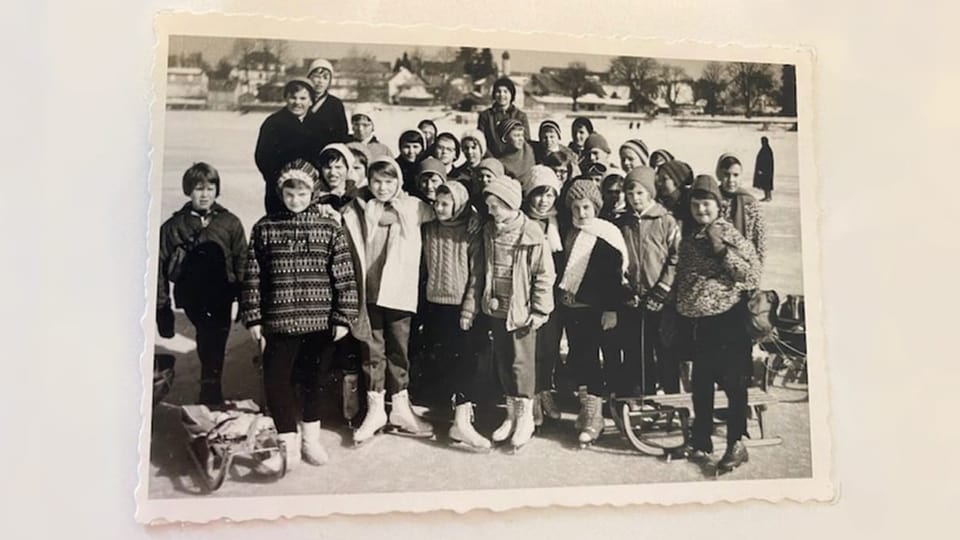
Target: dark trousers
290	361
585	336
450	359
647	363
721	355
213	328
514	354
548	351
384	356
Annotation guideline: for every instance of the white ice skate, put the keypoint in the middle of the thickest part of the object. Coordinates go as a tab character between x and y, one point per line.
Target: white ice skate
523	431
403	421
463	432
375	419
503	432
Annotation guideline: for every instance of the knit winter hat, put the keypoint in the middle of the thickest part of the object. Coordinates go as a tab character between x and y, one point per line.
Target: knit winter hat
665	154
583	121
507	190
507	126
475	135
461	197
299	169
596	140
645	176
291	85
541	175
320	63
412	136
360	148
506	83
705	185
549	124
362	109
678	171
456	144
432	165
493	165
639	147
584	189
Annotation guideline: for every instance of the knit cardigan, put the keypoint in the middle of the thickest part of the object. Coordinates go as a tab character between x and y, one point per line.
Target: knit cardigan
299	275
533	276
710	285
452	259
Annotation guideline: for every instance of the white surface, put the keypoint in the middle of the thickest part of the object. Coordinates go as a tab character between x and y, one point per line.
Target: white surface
73	211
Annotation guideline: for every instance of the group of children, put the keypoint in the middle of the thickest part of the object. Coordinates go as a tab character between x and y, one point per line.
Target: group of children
448	249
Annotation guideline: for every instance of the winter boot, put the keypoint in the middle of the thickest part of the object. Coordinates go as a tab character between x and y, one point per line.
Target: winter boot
374	420
735	456
548	405
311	449
290	443
592	409
462	429
503	432
524	428
404	420
350	391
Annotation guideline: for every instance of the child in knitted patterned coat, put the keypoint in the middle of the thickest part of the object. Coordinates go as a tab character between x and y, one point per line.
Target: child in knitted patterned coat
518	298
299	295
452	259
592	289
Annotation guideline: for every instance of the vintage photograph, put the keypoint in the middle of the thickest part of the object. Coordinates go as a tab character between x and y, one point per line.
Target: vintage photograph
494	272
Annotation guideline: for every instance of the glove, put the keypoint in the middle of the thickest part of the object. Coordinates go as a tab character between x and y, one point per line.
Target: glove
657	294
466	322
165	321
608	320
715	236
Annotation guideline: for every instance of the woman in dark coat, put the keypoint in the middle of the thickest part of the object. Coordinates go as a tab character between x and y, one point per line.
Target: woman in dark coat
285	137
504	94
327	121
763	171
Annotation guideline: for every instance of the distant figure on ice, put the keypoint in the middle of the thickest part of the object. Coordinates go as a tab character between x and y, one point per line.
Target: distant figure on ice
763	171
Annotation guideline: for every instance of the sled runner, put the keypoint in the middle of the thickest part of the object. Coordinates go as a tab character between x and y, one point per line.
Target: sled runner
235	430
645	419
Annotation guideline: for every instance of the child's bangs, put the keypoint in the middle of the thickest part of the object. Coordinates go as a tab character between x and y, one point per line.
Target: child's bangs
331	157
382	168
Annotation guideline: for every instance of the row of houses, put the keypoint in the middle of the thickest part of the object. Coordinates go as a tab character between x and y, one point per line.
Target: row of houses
259	77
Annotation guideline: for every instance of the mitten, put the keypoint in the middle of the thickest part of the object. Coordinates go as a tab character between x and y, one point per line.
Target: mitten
715	236
165	321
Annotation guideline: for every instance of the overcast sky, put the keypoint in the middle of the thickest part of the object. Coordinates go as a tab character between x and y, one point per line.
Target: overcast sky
215	48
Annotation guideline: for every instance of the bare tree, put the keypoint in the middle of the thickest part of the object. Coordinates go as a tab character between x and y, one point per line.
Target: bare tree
750	81
642	75
673	79
710	86
575	82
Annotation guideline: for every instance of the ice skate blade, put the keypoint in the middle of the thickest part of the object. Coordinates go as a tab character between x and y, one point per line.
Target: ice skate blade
462	445
394	430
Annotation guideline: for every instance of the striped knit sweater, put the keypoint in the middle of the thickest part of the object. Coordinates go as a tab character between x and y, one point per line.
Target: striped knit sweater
299	275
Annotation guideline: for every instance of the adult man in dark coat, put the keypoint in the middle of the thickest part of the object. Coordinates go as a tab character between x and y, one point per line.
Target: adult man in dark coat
763	171
284	137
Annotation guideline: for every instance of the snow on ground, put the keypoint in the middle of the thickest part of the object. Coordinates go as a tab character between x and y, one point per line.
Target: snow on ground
227	139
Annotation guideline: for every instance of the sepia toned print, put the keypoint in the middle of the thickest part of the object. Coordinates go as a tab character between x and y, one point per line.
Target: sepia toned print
486	271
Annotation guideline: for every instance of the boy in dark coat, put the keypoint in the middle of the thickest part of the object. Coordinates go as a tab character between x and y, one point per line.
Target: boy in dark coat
327	121
202	249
